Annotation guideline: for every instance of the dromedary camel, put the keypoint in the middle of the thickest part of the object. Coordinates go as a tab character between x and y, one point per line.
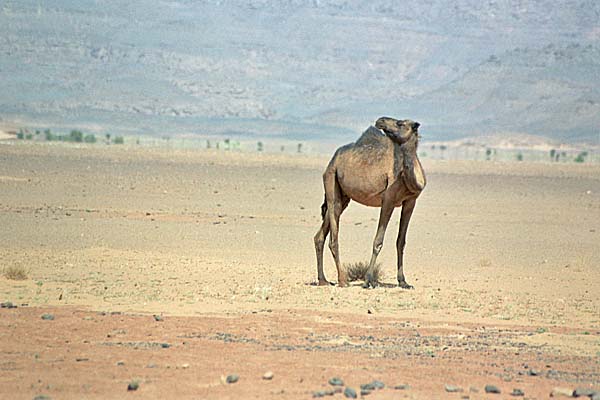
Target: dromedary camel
381	169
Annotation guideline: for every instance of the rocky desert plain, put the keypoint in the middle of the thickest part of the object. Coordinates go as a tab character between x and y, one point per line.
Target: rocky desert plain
190	274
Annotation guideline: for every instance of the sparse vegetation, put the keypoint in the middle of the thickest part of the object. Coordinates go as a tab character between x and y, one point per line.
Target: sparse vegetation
15	273
118	140
581	157
357	271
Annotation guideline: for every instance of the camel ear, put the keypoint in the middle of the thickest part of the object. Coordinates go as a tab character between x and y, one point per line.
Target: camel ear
416	126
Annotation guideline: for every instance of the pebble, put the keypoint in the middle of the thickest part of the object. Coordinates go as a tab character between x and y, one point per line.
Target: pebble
517	392
41	397
378	384
134	385
561	392
158	318
491	389
453	389
533	372
583	392
48	317
401	387
367	386
120	363
165	345
336	382
268	375
7	304
365	392
233	378
350	393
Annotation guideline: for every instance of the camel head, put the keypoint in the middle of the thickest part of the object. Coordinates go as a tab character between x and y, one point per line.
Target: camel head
399	130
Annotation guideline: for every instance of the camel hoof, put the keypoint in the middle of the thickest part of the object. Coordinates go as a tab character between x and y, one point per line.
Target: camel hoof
369	285
343	284
405	285
324	282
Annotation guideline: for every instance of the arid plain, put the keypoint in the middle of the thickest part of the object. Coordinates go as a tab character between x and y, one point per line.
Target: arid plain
504	257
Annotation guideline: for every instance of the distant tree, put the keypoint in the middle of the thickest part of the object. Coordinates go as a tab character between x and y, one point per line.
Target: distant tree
29	136
207	144
443	148
581	157
282	149
552	154
48	135
91	138
76	136
519	156
118	140
20	134
488	153
259	146
227	144
299	147
107	136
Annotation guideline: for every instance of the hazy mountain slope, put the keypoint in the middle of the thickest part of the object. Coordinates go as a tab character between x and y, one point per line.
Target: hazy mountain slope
297	69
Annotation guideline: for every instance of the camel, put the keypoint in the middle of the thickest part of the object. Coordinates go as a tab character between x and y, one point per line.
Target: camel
381	169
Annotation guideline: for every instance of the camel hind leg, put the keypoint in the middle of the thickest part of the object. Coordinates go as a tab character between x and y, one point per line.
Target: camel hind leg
319	245
336	203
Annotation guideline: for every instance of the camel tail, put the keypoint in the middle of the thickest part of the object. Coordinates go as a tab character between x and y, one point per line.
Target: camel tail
323	209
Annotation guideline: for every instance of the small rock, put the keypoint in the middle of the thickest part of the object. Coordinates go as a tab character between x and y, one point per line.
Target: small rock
134	385
233	378
268	375
350	393
561	392
320	393
48	317
7	304
491	389
583	392
367	386
533	372
185	366
41	397
165	345
517	392
453	389
365	392
336	382
378	384
120	363
401	387
158	318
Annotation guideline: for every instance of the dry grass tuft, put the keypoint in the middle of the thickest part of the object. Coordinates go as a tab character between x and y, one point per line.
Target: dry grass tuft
357	271
15	273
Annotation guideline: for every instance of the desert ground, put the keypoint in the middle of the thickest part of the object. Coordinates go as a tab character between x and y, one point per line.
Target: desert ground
175	269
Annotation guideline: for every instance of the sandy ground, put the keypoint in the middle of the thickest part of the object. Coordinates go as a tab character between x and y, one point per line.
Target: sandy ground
505	260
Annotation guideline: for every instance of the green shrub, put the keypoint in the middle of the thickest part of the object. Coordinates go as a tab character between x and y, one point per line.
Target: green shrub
76	136
91	138
581	157
118	140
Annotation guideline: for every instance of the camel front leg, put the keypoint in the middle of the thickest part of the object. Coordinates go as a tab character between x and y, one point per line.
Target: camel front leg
407	209
387	208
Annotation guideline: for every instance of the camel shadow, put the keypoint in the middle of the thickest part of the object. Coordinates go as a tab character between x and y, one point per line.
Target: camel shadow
355	284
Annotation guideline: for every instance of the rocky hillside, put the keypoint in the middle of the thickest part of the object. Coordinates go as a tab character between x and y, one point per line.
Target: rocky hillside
302	70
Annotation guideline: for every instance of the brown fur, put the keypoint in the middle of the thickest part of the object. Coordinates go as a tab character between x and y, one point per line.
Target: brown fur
381	169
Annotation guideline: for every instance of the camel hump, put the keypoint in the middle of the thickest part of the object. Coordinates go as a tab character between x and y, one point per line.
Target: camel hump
371	137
